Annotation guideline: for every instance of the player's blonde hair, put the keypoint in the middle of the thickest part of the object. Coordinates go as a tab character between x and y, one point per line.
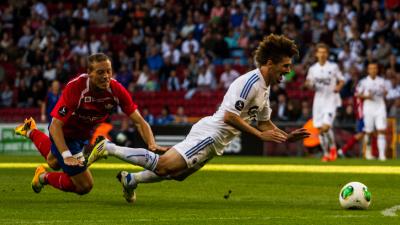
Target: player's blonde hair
274	47
97	57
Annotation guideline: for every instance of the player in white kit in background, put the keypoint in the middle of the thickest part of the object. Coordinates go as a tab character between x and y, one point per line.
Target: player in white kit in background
373	90
327	80
246	101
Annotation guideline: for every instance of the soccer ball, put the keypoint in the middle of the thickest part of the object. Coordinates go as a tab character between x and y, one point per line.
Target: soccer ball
355	195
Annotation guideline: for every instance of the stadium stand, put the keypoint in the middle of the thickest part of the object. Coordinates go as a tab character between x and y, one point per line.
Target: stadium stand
46	40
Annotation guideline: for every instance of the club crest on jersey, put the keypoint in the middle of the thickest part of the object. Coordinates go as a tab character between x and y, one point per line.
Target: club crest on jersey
63	111
109	107
239	105
87	99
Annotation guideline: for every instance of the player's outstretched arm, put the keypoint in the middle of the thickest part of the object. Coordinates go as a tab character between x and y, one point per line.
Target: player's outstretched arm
274	135
145	132
57	134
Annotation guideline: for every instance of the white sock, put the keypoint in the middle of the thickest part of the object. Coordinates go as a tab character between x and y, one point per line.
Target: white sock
382	146
136	156
28	133
324	144
147	176
331	138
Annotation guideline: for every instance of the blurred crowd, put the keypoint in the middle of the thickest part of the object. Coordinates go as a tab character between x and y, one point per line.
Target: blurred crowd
193	45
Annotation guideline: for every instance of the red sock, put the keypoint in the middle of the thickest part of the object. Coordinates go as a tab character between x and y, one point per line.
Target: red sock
41	141
60	181
349	144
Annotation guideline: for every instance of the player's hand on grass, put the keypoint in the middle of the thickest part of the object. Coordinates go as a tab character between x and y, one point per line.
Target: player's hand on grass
298	135
274	135
72	161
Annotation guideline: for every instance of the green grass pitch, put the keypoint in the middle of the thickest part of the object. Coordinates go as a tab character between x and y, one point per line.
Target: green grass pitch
262	197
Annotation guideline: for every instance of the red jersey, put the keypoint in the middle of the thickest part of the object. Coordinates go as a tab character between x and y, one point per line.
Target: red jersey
81	108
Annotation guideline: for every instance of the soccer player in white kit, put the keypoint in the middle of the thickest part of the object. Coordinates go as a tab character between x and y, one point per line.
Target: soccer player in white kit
373	90
246	100
327	80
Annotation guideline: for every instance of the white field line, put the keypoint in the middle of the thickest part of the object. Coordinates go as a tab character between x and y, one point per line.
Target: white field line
391	211
250	168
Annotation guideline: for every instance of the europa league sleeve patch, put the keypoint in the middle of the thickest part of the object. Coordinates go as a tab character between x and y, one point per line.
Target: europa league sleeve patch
63	111
239	105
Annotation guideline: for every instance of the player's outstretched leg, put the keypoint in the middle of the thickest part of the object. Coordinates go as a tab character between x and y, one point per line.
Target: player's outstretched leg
38	179
130	181
26	128
99	150
59	180
136	156
41	140
129	185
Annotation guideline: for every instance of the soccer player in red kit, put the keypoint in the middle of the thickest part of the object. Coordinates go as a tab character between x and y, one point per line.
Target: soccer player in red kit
85	102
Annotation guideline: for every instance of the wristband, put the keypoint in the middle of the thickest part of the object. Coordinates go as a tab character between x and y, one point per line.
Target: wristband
66	154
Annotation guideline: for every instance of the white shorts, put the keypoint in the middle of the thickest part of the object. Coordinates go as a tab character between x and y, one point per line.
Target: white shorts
374	121
323	118
196	150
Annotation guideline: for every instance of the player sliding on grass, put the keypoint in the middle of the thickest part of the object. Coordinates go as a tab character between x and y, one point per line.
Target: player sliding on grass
85	102
246	100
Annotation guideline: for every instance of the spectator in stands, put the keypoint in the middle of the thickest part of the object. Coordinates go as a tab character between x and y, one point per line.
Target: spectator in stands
26	38
228	76
80	48
94	44
152	83
98	15
165	118
282	108
39	8
24	93
144	76
173	82
124	76
383	51
148	116
166	70
205	79
50	72
154	59
6	97
50	101
305	114
190	45
180	118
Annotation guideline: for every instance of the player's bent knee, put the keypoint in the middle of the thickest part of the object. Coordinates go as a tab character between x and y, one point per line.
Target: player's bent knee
52	162
84	188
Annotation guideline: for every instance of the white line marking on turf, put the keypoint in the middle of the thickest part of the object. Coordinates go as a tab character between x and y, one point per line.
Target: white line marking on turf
391	211
250	168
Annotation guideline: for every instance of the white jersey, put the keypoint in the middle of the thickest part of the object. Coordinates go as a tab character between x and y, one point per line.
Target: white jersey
376	88
247	97
324	78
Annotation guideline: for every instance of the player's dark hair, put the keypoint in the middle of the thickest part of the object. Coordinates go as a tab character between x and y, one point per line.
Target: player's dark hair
97	57
322	45
275	47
